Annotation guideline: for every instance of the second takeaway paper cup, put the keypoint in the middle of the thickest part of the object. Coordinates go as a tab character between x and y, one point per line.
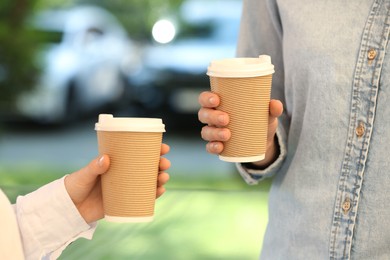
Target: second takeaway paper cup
134	147
244	87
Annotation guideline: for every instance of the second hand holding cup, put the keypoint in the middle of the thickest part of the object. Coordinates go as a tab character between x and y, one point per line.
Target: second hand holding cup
244	88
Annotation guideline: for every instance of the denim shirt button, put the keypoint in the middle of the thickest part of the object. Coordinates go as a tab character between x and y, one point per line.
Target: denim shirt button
346	205
360	129
371	54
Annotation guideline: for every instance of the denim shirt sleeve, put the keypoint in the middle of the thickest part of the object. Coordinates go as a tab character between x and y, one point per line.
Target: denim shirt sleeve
253	176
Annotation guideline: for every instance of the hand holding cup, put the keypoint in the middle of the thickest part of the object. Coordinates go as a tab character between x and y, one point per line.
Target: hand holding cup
84	187
215	131
241	104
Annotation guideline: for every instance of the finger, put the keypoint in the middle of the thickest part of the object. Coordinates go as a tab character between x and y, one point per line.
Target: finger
162	179
99	166
165	164
208	99
165	149
275	108
95	168
213	117
160	191
214	147
84	179
210	133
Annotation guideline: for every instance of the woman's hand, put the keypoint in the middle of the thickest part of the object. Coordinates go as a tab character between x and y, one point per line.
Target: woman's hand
84	186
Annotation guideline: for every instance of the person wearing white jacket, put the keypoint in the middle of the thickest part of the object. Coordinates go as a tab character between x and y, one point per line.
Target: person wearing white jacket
41	224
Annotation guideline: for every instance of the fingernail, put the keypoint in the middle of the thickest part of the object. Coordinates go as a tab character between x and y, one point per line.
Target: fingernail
212	100
101	161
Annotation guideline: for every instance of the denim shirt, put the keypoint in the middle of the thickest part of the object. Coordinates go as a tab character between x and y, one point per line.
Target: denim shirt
330	196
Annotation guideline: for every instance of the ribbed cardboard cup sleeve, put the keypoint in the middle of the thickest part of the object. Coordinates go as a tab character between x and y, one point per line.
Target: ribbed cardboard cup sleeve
246	100
129	185
244	88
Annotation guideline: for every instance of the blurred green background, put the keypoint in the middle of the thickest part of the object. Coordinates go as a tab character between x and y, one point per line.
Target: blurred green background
208	212
201	217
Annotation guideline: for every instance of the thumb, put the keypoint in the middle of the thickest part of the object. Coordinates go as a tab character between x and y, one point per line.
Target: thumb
275	108
96	167
90	172
80	183
100	165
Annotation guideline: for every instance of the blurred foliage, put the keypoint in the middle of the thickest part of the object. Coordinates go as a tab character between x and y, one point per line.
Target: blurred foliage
18	44
137	16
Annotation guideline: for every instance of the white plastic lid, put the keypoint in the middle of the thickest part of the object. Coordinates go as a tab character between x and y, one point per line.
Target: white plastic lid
107	122
241	67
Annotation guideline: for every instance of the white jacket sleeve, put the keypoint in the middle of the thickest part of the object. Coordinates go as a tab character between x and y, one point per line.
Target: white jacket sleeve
10	242
49	221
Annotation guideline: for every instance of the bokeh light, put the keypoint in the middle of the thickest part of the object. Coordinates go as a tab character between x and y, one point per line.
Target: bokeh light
163	31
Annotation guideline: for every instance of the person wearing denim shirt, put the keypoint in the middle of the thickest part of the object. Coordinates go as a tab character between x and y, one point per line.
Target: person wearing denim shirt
329	163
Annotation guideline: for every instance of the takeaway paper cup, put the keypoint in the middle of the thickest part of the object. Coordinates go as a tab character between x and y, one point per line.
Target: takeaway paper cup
244	87
129	186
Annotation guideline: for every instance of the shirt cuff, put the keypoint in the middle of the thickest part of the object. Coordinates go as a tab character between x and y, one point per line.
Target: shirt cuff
49	221
254	176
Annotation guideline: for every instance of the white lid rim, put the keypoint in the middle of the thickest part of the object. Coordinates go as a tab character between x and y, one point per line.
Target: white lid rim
129	124
241	67
140	130
240	74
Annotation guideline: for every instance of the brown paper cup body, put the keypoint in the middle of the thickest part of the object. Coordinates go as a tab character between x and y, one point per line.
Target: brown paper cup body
246	100
129	186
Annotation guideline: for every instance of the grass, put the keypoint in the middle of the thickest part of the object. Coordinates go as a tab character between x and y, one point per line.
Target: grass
198	218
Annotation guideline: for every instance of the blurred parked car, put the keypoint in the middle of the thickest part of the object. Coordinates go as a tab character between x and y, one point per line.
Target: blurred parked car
85	65
174	73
